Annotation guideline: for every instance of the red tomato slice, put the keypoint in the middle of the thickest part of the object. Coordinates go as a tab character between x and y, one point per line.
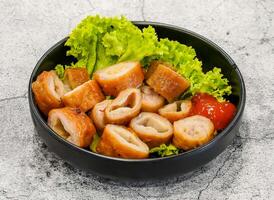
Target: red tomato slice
219	113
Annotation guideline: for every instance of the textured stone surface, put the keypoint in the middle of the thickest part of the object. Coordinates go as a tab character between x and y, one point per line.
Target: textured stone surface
245	29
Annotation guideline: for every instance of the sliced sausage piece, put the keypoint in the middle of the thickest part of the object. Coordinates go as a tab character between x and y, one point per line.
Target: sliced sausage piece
151	101
118	141
98	114
153	129
119	77
84	96
165	81
47	90
73	125
176	110
124	107
74	77
192	132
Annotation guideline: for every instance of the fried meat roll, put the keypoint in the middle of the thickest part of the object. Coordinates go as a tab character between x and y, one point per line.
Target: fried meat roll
73	125
119	77
151	101
124	107
192	132
118	141
152	129
176	110
84	96
47	90
98	114
74	77
165	81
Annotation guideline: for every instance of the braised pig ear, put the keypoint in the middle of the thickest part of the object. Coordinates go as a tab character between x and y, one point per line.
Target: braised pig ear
165	81
73	125
118	141
176	110
124	107
119	77
151	101
153	129
47	90
84	96
98	114
192	132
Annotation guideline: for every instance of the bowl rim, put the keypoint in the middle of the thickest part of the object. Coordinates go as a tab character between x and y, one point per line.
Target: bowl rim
240	108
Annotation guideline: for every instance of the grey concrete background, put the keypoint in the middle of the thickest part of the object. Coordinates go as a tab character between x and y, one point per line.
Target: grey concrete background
245	29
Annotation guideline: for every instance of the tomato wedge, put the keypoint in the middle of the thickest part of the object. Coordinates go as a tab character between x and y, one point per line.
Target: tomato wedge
220	113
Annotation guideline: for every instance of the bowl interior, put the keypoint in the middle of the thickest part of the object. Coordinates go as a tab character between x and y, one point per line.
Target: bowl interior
209	53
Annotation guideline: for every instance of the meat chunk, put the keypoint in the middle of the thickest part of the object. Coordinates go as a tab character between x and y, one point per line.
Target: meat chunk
192	132
124	107
74	77
153	129
119	77
73	125
98	114
176	110
47	90
118	141
151	101
84	96
165	81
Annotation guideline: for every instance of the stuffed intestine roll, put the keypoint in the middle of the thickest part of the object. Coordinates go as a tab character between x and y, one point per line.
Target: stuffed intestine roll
73	125
151	128
84	96
47	90
119	77
119	141
151	101
124	107
74	77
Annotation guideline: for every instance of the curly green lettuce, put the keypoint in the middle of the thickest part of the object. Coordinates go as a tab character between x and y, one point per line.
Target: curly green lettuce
165	150
98	42
95	141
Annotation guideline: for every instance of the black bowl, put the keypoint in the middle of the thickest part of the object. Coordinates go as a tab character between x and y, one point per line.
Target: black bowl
153	168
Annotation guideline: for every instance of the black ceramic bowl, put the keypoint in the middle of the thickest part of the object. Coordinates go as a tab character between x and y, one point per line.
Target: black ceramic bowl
154	168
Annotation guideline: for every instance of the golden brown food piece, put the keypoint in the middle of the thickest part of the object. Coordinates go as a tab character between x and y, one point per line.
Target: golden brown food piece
152	129
124	107
151	101
192	132
165	81
119	77
84	96
73	125
98	114
74	77
118	141
47	90
176	110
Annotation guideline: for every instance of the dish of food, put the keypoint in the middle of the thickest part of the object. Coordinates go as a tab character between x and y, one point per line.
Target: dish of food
138	95
136	100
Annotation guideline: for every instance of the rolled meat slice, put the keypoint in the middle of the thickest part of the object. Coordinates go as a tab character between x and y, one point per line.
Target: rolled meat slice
176	110
165	81
124	107
84	96
192	132
47	90
98	114
118	141
119	77
73	125
74	77
152	129
151	101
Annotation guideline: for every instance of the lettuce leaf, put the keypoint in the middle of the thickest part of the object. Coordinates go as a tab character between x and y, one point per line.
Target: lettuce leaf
98	42
165	150
95	141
